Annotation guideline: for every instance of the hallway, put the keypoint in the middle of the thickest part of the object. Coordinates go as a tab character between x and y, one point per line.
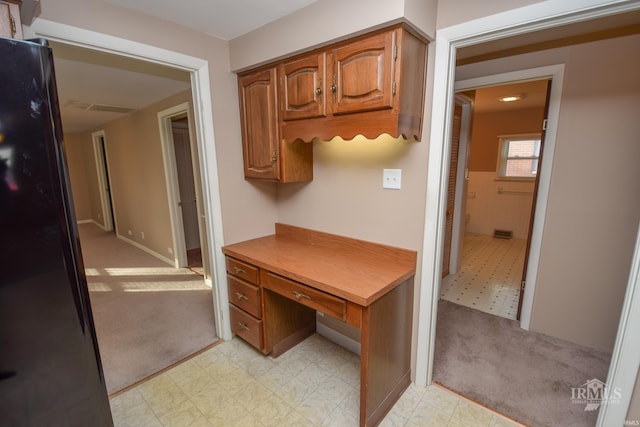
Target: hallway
148	315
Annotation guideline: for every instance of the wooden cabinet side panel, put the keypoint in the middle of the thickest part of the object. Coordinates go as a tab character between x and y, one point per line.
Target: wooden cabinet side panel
364	74
259	119
386	352
297	161
410	81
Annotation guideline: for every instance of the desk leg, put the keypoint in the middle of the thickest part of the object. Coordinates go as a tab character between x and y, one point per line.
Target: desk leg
385	366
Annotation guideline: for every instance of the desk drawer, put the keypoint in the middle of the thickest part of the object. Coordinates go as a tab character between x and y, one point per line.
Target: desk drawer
305	295
243	270
244	295
246	326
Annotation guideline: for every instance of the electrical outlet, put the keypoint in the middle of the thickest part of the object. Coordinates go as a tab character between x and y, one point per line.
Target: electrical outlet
129	232
392	178
170	250
142	235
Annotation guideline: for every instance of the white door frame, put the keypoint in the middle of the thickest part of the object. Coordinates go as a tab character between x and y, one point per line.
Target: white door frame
460	197
106	202
203	120
538	16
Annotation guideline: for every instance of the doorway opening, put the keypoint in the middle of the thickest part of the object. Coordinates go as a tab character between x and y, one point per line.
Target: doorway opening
104	186
188	199
185	194
496	149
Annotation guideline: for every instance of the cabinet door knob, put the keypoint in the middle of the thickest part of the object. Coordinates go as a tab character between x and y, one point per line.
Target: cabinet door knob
238	270
242	326
333	87
241	296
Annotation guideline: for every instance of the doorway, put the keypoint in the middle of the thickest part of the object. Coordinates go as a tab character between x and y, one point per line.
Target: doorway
183	177
104	186
492	28
188	196
495	154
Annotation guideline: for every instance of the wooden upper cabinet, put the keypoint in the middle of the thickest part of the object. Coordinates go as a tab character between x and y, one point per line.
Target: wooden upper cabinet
370	85
266	156
374	85
10	25
303	84
259	118
363	75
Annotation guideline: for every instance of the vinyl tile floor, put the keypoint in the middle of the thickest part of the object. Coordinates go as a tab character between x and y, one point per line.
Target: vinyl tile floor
314	384
490	275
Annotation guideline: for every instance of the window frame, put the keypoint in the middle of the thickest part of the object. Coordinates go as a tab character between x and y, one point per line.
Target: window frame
503	146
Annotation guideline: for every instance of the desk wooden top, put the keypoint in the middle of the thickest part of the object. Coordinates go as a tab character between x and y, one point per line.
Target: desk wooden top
355	270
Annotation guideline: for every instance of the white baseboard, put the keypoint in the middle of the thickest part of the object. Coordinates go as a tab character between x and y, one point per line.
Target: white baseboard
338	338
90	221
147	250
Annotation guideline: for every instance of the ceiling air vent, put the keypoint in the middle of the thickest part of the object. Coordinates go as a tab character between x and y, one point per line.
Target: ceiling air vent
105	108
110	108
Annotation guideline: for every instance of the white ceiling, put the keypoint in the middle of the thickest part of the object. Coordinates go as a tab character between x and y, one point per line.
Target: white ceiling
534	95
225	19
86	77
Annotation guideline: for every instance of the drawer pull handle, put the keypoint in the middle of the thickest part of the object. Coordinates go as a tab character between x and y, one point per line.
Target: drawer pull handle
241	296
300	295
238	270
242	326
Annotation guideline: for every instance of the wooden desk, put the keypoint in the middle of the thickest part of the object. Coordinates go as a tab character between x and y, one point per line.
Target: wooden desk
277	282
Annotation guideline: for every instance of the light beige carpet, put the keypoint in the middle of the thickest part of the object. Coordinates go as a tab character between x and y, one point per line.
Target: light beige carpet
148	315
524	375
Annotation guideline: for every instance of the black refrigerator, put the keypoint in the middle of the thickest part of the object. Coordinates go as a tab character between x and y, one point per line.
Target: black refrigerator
50	370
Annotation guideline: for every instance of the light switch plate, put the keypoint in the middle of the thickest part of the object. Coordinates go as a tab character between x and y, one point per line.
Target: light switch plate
392	178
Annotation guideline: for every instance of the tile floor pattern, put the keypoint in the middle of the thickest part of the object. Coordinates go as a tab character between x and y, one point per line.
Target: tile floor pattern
314	384
490	276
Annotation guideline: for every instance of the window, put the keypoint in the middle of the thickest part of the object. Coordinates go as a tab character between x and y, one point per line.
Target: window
518	157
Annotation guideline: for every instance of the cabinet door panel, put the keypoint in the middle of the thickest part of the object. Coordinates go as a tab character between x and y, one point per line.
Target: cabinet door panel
259	124
364	73
303	87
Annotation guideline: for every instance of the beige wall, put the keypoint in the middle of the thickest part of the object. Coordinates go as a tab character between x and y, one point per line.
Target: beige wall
593	208
451	12
136	174
487	127
84	178
248	210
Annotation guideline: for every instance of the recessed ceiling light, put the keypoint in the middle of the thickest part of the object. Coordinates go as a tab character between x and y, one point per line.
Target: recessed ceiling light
511	98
